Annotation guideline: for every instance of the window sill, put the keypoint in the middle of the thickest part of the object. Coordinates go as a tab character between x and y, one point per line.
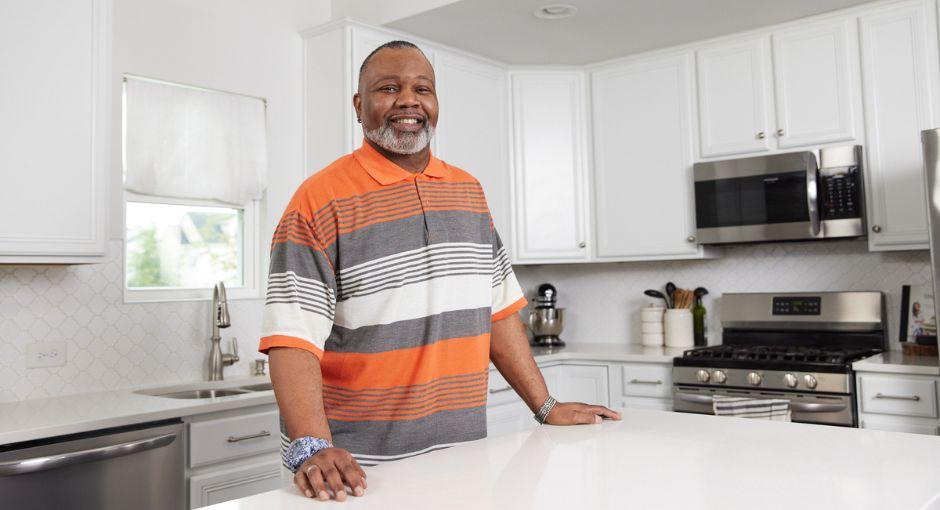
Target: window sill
177	295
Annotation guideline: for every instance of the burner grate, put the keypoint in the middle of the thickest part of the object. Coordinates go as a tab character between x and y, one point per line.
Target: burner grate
783	354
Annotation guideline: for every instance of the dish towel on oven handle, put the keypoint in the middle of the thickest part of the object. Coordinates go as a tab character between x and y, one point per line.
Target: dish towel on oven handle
776	409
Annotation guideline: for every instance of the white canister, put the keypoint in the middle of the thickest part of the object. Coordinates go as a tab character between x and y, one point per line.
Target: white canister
652	339
651	327
677	328
652	313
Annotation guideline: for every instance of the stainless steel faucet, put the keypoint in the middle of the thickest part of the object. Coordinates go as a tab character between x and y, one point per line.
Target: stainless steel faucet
220	319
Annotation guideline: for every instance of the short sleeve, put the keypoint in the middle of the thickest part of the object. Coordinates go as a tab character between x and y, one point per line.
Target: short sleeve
300	303
507	295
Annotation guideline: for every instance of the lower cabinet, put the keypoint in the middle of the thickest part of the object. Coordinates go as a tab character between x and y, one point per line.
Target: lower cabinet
232	454
641	386
898	403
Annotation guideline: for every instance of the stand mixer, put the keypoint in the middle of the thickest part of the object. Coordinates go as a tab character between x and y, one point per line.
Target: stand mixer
546	322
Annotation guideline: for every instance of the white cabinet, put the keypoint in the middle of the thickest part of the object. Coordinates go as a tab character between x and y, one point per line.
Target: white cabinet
549	166
235	482
816	83
232	454
898	402
581	383
733	85
473	129
899	73
643	190
641	385
54	102
794	87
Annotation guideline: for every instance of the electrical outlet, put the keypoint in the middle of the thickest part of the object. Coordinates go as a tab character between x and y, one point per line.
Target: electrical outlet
45	354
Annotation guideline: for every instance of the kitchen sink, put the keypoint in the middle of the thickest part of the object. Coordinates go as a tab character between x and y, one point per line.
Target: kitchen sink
202	393
257	387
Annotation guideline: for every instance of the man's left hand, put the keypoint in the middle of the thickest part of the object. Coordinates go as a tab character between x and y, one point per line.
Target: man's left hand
576	413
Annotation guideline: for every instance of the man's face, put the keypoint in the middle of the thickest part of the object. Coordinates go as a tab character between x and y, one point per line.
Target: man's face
397	101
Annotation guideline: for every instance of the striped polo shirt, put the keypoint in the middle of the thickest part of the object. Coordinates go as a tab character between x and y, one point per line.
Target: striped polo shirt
392	279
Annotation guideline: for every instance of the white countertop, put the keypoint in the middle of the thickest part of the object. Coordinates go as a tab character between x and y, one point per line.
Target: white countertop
655	459
895	362
48	417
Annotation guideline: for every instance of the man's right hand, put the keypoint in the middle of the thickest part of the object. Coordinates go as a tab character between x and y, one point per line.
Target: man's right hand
329	470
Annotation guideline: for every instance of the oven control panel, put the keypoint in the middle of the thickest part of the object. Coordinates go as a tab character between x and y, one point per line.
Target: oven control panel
797	305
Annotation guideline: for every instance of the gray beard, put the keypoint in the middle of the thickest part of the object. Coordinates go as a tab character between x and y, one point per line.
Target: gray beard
394	141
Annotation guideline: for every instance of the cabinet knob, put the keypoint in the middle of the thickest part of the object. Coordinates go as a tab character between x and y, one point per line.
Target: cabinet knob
582	244
690	239
876	228
761	135
780	132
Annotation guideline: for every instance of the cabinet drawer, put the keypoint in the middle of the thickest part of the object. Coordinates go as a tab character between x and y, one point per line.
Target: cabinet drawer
894	426
647	380
229	438
499	391
898	395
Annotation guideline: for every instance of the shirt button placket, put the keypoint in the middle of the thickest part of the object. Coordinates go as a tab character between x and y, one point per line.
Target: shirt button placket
424	211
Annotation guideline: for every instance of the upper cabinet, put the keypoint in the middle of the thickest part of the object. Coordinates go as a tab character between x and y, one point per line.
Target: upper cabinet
899	72
54	101
549	166
816	83
643	159
794	87
733	84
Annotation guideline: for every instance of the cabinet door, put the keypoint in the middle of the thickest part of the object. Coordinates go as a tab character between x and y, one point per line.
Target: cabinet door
643	159
899	66
896	425
364	41
472	129
816	83
549	166
235	482
583	383
54	102
733	86
508	419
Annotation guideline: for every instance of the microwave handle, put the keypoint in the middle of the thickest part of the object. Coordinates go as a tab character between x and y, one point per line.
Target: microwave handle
812	198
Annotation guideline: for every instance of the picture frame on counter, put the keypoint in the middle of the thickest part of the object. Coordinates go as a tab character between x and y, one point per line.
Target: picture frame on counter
918	316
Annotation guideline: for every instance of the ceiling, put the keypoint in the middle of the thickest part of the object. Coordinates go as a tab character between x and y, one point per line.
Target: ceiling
507	30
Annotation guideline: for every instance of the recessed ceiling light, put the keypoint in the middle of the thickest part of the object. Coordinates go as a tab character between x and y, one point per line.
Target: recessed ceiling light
556	11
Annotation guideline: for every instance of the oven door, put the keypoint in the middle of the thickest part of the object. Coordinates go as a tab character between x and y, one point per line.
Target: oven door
804	408
767	198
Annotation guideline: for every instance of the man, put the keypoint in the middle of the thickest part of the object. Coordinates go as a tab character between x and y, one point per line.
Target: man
389	294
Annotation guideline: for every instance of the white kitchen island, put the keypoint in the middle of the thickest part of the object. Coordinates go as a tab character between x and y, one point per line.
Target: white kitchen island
655	459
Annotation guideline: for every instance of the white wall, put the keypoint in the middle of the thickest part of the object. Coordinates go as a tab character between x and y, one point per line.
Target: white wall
603	300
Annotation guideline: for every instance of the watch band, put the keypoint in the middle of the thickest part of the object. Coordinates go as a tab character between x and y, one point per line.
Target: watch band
303	448
546	408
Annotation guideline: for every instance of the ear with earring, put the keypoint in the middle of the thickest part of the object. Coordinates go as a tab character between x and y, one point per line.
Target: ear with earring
358	120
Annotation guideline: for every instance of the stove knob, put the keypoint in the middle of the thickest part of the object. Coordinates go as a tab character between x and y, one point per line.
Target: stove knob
754	378
809	381
719	376
790	380
702	376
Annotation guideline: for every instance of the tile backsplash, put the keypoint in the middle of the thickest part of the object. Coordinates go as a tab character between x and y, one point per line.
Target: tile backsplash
602	301
111	344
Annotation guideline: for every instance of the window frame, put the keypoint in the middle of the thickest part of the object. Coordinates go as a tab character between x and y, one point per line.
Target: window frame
251	255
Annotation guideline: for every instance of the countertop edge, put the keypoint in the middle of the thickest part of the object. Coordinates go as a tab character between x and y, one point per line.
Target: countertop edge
877	364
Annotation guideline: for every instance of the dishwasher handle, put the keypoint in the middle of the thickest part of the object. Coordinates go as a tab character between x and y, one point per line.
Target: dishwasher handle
35	464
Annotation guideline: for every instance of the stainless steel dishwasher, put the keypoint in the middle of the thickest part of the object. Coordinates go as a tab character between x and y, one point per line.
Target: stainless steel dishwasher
138	467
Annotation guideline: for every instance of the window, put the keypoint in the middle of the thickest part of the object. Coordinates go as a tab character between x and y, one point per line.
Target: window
179	249
195	167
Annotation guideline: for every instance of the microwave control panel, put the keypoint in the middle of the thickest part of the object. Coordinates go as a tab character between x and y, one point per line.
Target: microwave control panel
839	195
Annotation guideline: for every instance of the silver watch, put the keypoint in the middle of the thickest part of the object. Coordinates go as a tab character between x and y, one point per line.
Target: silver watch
546	408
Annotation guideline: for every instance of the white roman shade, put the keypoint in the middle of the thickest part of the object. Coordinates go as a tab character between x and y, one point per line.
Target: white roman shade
186	142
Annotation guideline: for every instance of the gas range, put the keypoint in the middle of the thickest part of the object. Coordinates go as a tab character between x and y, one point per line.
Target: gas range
794	346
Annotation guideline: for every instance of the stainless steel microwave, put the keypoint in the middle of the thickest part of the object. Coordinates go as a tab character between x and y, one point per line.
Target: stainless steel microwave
782	197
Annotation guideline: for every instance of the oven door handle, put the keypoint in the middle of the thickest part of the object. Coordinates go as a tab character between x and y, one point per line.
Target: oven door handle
32	465
812	196
698	399
806	407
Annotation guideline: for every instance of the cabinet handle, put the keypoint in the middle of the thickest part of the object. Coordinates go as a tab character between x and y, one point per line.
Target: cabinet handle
780	132
582	244
690	239
761	135
641	381
876	228
500	390
235	439
914	398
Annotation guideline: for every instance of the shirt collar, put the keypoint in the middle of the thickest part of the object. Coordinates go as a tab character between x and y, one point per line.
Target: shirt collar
385	172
